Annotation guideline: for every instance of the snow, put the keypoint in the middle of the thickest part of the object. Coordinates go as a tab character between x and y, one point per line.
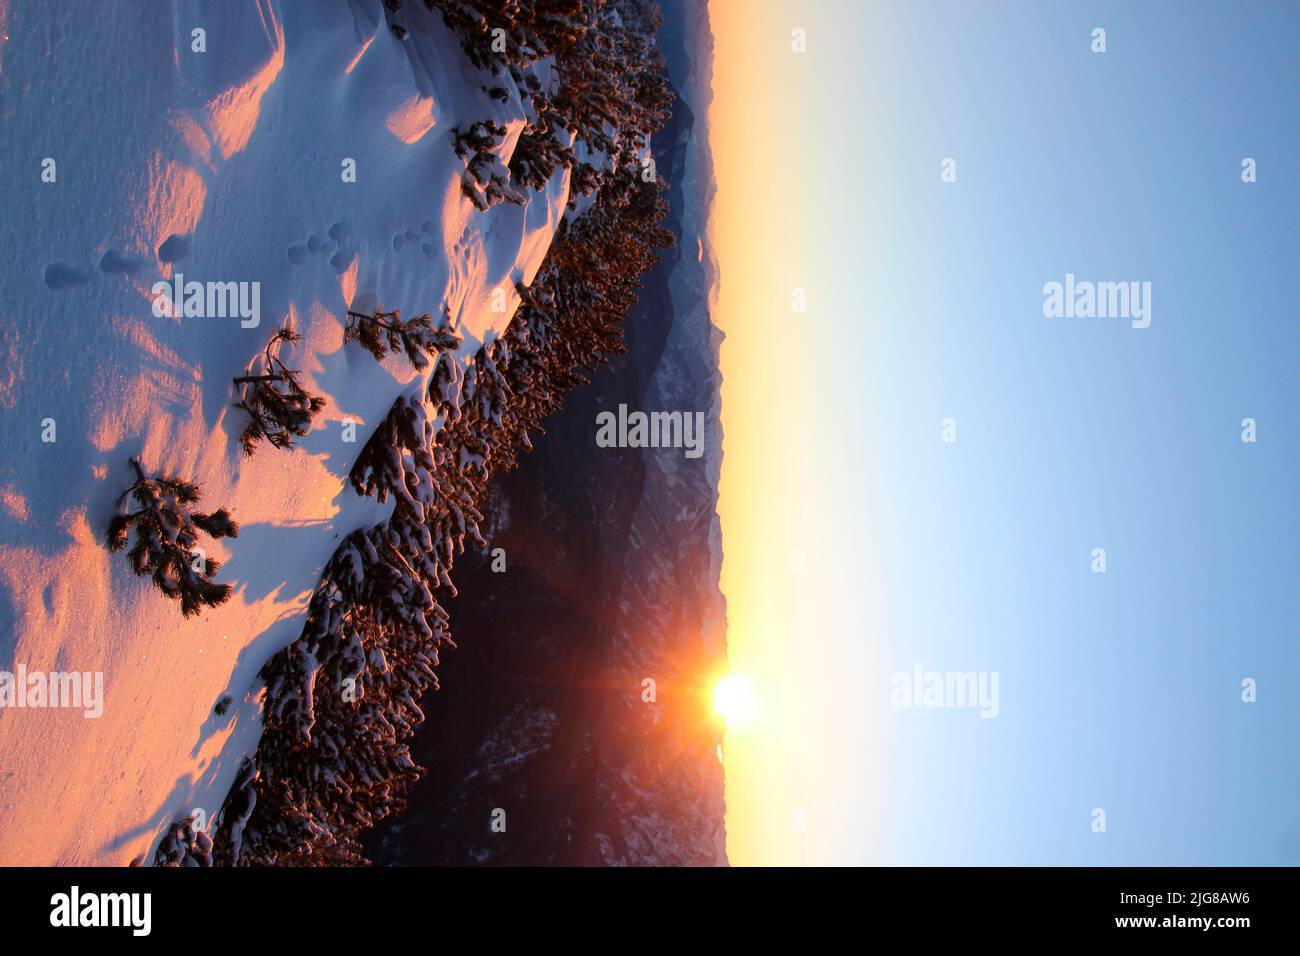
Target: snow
226	166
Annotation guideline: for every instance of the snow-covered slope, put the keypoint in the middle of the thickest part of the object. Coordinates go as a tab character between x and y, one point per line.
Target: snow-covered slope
223	165
613	576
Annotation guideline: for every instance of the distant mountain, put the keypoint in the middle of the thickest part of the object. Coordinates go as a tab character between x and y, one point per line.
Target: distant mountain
612	562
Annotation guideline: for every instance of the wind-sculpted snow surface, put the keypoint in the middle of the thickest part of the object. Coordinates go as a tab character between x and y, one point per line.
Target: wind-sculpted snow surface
278	146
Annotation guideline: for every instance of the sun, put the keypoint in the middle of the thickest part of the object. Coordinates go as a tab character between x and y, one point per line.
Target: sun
733	699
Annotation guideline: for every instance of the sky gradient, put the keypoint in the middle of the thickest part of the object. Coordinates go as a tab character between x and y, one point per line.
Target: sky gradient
859	544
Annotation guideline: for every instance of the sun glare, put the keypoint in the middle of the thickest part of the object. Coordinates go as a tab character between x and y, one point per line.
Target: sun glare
733	699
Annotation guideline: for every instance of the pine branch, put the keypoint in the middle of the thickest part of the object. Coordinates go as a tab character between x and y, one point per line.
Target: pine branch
279	409
380	332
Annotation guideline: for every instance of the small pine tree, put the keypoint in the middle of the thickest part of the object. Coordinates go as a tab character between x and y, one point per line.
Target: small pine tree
166	532
380	332
279	409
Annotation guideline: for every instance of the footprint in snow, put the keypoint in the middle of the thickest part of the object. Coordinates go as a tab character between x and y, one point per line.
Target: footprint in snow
338	247
64	275
417	237
114	261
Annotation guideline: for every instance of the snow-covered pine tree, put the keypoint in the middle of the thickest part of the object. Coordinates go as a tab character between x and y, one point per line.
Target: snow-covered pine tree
486	180
379	332
531	29
609	91
166	537
341	701
279	409
184	845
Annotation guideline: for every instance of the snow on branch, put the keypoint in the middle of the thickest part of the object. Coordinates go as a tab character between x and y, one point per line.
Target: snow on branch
279	409
380	332
167	536
486	180
184	845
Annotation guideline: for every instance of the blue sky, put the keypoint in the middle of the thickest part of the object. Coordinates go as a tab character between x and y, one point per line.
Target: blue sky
1120	690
